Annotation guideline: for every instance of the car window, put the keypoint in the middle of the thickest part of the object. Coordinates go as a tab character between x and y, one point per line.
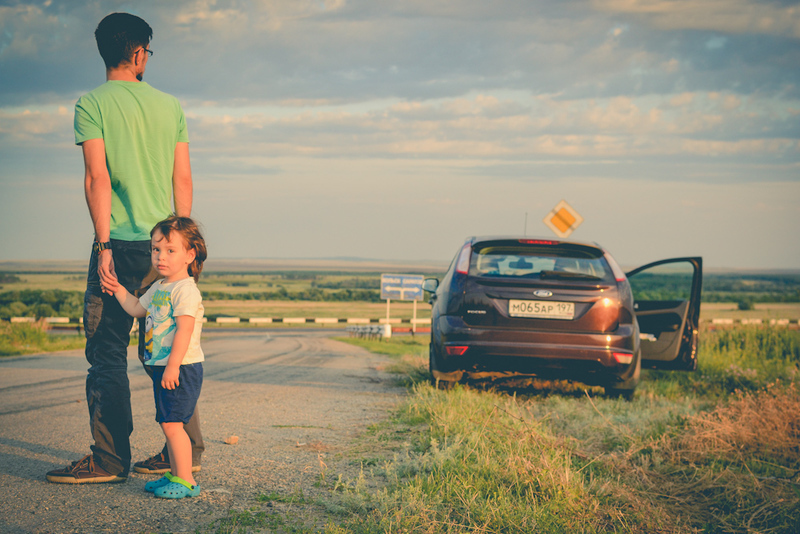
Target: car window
671	281
538	262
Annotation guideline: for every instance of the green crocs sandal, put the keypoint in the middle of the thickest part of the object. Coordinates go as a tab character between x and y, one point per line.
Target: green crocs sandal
177	489
153	485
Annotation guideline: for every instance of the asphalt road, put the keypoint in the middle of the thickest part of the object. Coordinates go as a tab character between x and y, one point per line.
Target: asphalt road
294	400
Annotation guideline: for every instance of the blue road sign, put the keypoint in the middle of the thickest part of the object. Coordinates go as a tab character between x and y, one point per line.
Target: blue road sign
401	286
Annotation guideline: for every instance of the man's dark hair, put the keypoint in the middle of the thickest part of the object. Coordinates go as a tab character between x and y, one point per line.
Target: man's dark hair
118	35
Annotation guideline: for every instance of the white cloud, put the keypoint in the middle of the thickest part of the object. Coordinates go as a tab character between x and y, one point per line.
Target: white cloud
730	16
19	26
37	126
742	147
487	126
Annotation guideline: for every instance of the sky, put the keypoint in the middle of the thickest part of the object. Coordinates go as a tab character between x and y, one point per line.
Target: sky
393	130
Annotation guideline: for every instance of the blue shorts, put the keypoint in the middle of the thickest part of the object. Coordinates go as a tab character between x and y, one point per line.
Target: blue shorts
177	405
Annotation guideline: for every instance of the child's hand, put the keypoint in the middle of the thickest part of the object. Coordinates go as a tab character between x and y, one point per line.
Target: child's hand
128	302
169	380
111	286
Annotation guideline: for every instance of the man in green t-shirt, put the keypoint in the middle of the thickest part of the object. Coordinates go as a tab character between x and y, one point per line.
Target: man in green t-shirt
136	154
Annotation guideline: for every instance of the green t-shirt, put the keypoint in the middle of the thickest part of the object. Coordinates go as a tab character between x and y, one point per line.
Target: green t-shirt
140	127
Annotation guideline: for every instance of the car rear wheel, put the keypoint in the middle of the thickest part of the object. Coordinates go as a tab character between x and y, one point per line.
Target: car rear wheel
626	388
617	393
434	365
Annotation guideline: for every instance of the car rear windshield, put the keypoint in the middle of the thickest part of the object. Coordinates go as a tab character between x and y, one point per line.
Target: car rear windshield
558	262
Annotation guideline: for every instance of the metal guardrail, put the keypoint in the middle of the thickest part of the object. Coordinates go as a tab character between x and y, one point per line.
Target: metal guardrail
370	331
65	322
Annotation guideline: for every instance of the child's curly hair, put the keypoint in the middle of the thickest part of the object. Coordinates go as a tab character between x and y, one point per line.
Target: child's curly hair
190	232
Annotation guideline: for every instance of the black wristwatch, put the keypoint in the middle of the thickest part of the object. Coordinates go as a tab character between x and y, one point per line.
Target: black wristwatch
97	248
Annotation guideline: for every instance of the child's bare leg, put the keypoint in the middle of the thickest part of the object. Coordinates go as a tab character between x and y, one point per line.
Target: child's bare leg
180	451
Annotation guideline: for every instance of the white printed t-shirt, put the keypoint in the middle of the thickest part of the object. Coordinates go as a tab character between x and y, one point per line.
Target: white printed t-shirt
164	302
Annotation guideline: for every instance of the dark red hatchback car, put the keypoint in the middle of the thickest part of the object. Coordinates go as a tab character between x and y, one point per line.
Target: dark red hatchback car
516	306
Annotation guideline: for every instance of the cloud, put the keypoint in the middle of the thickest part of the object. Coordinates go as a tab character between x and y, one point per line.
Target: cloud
276	51
762	147
518	126
45	127
21	30
728	16
479	126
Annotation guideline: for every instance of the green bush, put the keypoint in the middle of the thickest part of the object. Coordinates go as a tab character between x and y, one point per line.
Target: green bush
41	303
28	338
313	294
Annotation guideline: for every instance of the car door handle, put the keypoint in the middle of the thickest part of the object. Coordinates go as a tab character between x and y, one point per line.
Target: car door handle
648	337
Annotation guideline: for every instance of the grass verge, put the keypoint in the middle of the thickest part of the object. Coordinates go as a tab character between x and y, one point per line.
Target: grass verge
409	355
30	338
713	451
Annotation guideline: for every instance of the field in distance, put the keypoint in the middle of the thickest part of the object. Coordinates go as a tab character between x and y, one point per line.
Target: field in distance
348	288
259	288
246	309
225	275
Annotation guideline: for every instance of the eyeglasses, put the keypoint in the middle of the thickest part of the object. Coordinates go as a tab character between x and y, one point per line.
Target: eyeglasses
149	52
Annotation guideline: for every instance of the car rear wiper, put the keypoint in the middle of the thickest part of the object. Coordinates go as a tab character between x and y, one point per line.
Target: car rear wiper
568	274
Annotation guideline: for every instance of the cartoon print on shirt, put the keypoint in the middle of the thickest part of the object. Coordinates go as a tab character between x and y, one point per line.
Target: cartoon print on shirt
148	337
160	327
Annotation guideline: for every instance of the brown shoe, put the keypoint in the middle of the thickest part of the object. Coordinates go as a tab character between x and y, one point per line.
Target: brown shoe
83	471
157	465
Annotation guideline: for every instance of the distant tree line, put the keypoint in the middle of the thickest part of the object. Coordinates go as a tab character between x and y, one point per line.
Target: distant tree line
41	303
722	296
351	283
315	294
57	303
719	287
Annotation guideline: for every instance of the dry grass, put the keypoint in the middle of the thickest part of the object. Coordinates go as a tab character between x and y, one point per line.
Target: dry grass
733	469
698	459
755	425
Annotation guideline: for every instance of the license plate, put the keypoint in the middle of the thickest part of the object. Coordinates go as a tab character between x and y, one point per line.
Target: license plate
541	309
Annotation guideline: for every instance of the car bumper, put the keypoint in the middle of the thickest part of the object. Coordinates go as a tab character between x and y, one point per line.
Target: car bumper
576	355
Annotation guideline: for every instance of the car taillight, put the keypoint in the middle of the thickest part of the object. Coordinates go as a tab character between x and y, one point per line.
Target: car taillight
623	357
610	304
607	313
539	242
462	265
455	350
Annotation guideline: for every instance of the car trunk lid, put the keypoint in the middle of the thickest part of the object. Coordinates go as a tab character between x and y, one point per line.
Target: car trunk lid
541	306
537	285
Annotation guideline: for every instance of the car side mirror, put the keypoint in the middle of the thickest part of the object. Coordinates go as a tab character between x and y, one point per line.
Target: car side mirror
430	285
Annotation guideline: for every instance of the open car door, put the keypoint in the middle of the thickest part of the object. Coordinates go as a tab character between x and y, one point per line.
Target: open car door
666	296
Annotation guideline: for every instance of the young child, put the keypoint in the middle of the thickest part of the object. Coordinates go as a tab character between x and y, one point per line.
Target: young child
174	313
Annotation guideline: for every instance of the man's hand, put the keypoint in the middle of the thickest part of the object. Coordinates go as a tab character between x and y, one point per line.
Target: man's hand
169	379
105	269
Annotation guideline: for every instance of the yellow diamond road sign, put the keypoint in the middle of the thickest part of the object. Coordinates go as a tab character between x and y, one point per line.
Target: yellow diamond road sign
562	220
